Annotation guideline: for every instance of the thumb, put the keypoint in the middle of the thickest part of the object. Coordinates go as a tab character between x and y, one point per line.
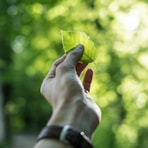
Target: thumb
74	56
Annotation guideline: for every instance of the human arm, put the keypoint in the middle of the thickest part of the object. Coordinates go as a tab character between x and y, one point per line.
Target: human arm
70	99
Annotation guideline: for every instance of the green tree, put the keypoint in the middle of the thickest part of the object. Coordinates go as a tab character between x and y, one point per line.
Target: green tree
30	41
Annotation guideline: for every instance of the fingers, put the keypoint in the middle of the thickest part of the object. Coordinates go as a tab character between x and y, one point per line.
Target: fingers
52	72
69	60
80	67
74	56
88	79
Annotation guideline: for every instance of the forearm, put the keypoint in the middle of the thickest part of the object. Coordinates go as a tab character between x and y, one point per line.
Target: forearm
78	115
50	143
53	143
72	118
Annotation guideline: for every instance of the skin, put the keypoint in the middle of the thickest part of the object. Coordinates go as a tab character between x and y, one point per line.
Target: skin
70	97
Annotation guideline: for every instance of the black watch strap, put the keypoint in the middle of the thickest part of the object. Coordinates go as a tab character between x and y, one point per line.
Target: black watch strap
66	134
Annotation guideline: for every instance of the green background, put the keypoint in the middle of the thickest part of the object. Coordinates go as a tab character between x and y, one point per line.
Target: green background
30	41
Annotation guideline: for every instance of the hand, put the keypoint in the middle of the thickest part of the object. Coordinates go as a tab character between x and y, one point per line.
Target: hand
69	97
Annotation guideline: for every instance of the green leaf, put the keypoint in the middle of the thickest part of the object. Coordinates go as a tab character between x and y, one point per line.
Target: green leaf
70	39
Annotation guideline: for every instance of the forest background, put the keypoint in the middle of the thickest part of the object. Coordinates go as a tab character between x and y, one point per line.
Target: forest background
30	41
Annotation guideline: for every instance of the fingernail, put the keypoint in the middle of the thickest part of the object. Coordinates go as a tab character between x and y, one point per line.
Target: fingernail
80	47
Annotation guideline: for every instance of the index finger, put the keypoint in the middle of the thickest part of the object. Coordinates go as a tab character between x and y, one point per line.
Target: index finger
80	67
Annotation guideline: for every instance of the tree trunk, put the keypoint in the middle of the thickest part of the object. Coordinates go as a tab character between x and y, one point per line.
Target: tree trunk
2	121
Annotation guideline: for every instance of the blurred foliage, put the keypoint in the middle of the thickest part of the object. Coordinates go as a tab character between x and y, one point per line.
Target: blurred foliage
30	41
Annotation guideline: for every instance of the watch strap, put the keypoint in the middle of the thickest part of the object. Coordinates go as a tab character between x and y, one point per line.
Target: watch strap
66	134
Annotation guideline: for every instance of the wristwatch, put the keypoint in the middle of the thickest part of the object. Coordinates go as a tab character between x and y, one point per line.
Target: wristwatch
66	134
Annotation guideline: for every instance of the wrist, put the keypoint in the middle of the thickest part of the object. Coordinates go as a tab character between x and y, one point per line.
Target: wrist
74	116
65	134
